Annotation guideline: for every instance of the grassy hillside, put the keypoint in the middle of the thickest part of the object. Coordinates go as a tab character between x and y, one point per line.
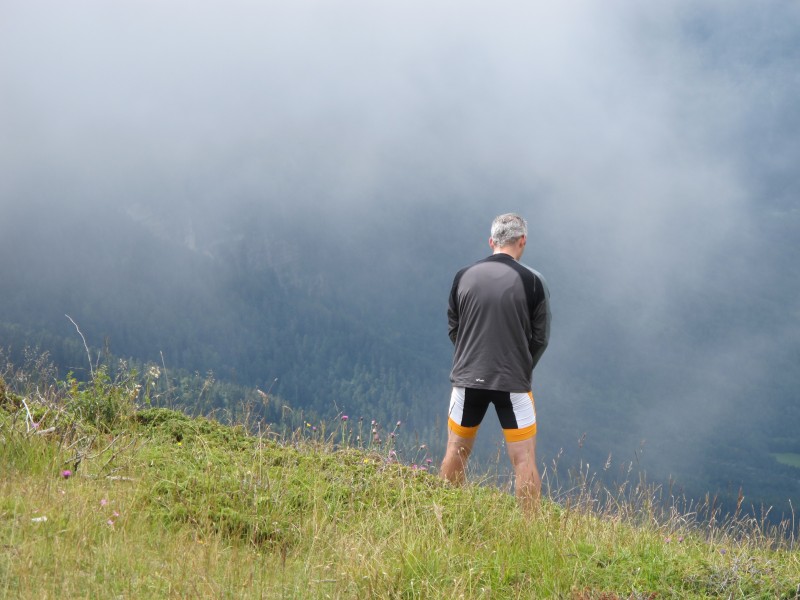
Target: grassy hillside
99	499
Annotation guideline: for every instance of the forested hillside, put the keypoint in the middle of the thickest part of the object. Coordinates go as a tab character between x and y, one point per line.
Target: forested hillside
236	314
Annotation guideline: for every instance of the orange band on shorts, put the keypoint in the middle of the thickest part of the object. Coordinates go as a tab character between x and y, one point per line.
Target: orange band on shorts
465	432
520	435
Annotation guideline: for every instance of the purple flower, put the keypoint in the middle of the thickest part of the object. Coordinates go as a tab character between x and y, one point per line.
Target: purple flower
345	417
66	473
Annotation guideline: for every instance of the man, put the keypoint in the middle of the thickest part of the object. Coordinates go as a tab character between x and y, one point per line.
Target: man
499	318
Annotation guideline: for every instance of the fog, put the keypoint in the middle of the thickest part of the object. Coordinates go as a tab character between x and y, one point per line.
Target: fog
653	148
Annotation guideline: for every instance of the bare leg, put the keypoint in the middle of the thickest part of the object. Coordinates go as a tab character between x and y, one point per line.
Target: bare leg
528	484
455	458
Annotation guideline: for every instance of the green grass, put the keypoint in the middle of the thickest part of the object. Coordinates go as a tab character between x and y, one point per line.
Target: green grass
161	505
788	458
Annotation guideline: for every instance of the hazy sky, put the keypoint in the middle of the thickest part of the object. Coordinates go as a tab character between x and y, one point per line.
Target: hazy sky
650	144
617	123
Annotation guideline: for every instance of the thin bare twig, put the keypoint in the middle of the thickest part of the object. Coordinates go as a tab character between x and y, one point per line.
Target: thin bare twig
88	354
29	422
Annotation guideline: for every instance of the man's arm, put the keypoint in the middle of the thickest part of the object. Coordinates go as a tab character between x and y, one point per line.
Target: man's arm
452	310
540	324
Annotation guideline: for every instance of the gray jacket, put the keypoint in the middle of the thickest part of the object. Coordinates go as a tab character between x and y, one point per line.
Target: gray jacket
499	322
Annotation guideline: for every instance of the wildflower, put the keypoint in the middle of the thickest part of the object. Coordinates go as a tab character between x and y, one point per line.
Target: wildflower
668	540
115	514
66	473
110	522
723	551
391	435
399	423
345	417
414	467
103	502
313	429
680	539
373	422
428	461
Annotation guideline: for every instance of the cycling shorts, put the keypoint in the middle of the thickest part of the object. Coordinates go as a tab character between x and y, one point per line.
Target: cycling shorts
515	410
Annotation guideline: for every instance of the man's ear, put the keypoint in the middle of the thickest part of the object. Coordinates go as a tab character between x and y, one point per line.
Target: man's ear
491	243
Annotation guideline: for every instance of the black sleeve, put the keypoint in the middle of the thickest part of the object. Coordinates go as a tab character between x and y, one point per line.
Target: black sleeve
540	322
452	309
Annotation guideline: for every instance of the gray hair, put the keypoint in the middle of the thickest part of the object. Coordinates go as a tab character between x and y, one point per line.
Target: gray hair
507	229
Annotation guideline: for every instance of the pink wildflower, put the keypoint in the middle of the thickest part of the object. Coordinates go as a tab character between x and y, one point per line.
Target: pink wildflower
66	473
103	502
345	417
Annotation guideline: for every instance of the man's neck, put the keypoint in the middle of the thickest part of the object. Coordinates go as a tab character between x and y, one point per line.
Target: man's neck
507	252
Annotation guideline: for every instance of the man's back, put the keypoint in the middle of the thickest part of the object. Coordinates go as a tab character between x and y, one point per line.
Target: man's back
499	323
